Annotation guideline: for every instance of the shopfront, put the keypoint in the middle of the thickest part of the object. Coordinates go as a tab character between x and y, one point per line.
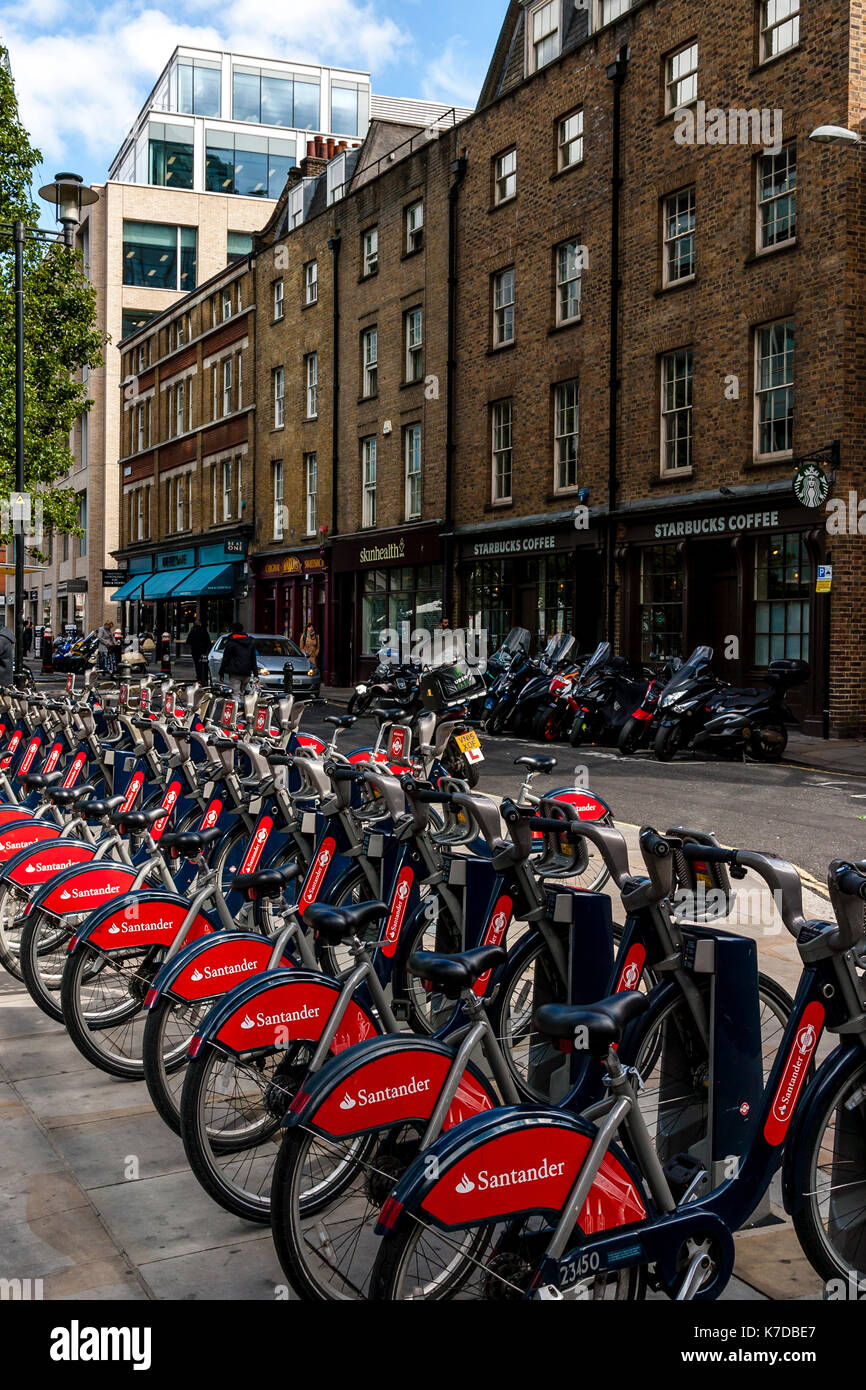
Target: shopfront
544	579
739	578
167	591
291	590
383	581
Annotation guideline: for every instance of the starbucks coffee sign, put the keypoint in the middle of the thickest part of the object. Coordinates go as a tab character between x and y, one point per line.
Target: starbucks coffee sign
811	485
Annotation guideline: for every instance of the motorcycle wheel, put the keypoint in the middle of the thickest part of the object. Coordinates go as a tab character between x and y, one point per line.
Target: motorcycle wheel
768	752
545	725
493	724
578	732
630	736
668	741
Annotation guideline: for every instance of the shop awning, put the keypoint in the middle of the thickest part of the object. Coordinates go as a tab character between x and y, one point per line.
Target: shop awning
129	589
207	579
162	584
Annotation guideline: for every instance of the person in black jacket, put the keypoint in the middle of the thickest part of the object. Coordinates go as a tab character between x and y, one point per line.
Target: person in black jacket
238	660
199	643
7	656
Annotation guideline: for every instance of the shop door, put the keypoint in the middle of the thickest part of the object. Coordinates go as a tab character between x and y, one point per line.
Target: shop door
588	597
713	608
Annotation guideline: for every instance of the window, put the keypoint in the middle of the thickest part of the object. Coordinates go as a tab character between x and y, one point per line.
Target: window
413	321
774	388
368	481
84	436
311	375
783	588
612	9
544	23
227	490
133	319
82	523
677	411
141	506
502	421
414	227
505	176
228	367
176	494
412	463
569	140
503	307
661	602
279	305
179	392
679	236
568	282
255	166
238	246
350	103
311	476
369	361
264	98
335	179
169	155
565	434
140	437
279	513
198	87
158	256
777	198
226	304
296	206
780	26
681	79
279	376
311	282
370	251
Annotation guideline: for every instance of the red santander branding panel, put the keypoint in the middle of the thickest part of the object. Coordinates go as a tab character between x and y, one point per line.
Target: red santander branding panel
402	1085
587	807
292	1010
310	741
20	837
500	917
221	967
43	864
14	813
53	758
32	750
146	923
316	872
136	782
211	815
89	889
256	845
169	801
73	772
794	1074
533	1170
632	968
397	915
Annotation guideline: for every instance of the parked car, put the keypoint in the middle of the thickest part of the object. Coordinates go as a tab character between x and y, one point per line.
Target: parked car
273	654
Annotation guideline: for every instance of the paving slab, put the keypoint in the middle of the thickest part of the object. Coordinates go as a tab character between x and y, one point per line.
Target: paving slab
43	1054
99	1150
79	1096
242	1271
772	1262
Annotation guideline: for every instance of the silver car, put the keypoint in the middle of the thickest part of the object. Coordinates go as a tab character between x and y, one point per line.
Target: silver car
273	654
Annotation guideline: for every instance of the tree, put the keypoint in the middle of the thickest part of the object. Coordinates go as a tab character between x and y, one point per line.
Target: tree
61	339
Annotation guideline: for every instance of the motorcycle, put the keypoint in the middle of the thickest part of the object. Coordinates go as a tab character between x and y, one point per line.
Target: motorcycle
754	721
686	704
535	693
389	681
503	691
639	729
609	688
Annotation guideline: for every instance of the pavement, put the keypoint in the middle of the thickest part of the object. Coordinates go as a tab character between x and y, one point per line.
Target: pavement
97	1201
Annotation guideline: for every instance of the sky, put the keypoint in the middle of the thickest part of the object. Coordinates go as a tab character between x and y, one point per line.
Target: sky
82	70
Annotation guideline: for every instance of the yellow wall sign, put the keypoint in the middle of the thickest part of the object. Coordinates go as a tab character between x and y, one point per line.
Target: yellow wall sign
824	579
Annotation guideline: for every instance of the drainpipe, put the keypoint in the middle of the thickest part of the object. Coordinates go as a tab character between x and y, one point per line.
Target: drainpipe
458	169
616	72
330	607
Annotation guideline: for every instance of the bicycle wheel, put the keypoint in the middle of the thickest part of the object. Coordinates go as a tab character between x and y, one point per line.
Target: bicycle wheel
231	1110
42	956
353	887
328	1255
437	930
421	1262
541	1072
831	1224
13	900
168	1031
102	997
671	1058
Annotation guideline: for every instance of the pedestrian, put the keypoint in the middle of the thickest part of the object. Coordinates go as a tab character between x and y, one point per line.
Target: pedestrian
7	656
199	643
238	660
310	644
28	637
105	647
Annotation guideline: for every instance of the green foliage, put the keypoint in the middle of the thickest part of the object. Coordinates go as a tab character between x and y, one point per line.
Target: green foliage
60	333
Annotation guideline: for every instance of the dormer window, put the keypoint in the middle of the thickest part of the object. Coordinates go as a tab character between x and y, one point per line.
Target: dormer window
544	34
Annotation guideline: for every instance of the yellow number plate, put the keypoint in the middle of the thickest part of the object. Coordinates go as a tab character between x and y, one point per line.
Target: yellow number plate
467	740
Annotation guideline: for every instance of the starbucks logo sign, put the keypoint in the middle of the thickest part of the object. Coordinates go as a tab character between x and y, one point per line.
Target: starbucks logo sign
811	485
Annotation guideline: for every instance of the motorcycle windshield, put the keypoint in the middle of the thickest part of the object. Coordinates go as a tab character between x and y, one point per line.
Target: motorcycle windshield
599	658
518	639
699	659
558	647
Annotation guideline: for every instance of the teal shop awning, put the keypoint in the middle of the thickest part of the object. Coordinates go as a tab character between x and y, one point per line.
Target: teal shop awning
129	589
164	583
207	579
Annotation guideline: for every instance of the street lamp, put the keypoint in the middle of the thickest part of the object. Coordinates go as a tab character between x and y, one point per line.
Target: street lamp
835	135
69	194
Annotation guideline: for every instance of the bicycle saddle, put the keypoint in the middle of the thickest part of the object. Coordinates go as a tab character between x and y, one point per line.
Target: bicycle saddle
336	923
100	809
542	762
68	796
388	712
188	843
604	1022
39	779
454	973
340	721
139	820
267	883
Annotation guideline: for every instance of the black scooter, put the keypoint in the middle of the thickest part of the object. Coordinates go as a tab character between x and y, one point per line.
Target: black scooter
685	704
753	721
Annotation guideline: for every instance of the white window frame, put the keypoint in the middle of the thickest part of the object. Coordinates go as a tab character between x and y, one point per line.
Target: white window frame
505	176
311	484
227	488
414	341
277	476
370	251
673	237
543	34
502	421
412	467
672	412
279	392
311	282
370	361
780	20
414	226
279	300
296	206
681	77
226	302
228	375
368	481
311	379
765	392
565	279
609	10
179	406
566	400
768	161
503	306
565	140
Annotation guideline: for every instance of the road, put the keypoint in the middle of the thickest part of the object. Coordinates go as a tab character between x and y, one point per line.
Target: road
809	817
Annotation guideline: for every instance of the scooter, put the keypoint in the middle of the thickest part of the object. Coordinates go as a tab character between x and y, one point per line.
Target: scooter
686	704
639	729
535	694
754	721
610	687
502	694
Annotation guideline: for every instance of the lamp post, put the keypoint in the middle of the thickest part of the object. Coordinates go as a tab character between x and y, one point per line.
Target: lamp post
69	194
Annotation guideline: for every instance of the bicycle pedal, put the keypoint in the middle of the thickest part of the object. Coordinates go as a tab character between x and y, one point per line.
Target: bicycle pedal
400	1009
686	1176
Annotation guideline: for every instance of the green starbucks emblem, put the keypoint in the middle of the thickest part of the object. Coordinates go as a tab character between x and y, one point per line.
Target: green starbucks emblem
811	485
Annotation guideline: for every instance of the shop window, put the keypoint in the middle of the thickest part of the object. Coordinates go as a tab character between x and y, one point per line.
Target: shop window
555	595
777	198
783	588
490	599
409	594
774	389
661	603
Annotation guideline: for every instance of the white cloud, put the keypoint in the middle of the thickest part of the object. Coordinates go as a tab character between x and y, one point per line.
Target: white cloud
453	76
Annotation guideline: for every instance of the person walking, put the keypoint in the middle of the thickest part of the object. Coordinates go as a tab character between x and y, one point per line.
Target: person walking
238	660
105	648
310	644
7	656
28	637
199	643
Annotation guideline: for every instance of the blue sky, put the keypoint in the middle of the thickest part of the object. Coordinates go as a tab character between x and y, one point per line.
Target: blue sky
82	69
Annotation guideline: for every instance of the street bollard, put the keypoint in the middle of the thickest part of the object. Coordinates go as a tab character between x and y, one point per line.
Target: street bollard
165	654
47	650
